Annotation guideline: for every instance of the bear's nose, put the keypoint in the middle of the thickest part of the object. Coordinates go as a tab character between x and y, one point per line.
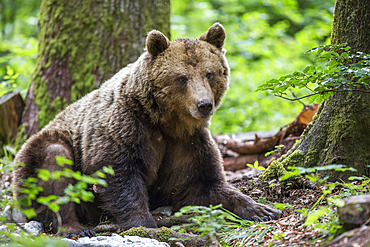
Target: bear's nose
205	107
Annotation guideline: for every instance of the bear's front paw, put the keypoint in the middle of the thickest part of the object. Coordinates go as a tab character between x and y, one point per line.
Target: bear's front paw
258	212
75	230
85	233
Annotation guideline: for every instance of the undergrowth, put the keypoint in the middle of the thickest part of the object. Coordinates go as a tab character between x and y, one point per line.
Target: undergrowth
223	228
14	234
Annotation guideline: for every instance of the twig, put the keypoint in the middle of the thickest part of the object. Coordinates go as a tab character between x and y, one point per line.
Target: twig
304	105
326	91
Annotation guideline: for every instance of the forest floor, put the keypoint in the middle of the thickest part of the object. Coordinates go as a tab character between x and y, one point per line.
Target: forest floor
292	229
289	230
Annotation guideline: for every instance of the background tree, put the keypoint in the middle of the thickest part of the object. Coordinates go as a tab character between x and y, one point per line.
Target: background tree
82	44
340	133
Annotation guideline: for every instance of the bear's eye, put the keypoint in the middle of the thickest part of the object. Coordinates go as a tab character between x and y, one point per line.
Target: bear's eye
182	79
209	76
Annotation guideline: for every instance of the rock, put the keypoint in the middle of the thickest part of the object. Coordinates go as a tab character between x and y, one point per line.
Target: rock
355	212
14	215
34	228
115	241
163	211
358	237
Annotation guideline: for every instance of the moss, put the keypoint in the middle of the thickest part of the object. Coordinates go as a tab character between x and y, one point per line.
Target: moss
273	171
137	231
339	135
339	132
295	159
311	158
20	137
74	59
162	234
278	168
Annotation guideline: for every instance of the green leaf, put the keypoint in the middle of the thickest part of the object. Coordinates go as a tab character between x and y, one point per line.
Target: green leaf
63	161
29	213
281	206
356	178
108	170
337	202
9	71
314	216
63	200
53	207
46	200
77	175
43	174
100	174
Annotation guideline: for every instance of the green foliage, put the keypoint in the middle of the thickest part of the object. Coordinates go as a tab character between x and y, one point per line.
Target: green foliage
212	221
6	168
72	193
221	227
277	149
24	240
337	69
324	218
31	189
224	228
256	166
6	236
294	170
265	39
18	44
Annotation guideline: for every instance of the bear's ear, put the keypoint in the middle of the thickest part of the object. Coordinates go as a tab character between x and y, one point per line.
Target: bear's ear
215	35
156	42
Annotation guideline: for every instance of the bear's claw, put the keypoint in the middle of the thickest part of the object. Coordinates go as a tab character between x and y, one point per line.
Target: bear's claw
85	233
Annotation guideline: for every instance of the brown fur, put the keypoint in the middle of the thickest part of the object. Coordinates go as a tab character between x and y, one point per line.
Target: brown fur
148	123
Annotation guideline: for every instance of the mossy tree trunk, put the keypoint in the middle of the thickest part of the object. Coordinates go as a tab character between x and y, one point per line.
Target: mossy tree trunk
84	43
340	132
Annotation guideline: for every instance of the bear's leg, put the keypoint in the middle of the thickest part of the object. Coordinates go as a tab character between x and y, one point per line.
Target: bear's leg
40	153
195	177
126	197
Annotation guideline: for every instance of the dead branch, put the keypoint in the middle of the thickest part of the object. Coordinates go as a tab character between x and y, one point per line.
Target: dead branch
237	153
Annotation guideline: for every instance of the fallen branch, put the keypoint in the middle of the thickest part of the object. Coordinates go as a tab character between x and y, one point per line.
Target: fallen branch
237	153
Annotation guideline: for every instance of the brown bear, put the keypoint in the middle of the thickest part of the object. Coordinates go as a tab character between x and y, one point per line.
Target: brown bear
149	123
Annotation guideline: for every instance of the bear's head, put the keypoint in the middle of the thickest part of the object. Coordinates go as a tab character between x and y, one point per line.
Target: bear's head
181	83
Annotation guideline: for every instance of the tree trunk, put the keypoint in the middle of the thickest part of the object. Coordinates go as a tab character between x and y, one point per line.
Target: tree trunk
84	43
340	133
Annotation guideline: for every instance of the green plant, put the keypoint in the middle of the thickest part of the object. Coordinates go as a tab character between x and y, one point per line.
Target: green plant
212	221
338	69
296	170
6	236
221	227
277	150
25	240
256	166
324	218
76	192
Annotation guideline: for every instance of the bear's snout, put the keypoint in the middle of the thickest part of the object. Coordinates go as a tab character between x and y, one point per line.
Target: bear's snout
205	107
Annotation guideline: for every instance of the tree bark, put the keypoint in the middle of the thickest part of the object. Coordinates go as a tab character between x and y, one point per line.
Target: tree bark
11	108
340	132
84	43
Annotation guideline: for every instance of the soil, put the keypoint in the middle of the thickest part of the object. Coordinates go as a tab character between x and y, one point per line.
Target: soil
289	230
